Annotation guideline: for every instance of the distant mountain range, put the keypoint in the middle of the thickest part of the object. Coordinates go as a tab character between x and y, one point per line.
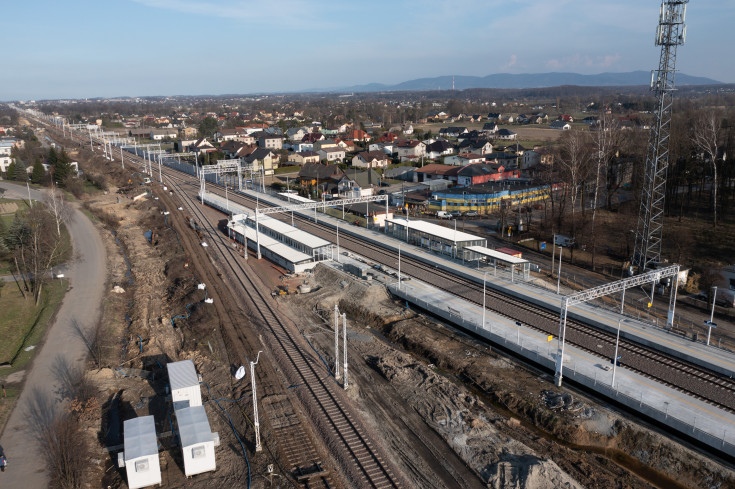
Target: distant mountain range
530	80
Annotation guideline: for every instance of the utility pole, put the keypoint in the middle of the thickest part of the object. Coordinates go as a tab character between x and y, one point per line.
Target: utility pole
258	447
344	347
336	342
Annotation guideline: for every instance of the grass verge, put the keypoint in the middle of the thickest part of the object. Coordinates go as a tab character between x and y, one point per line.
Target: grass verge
23	324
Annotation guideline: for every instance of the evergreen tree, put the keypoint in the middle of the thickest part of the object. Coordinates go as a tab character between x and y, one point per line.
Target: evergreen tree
62	168
20	171
10	172
38	172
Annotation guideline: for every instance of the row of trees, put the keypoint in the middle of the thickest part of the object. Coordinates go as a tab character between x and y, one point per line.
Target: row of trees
591	167
59	168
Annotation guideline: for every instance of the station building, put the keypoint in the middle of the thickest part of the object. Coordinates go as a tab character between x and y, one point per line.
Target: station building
487	198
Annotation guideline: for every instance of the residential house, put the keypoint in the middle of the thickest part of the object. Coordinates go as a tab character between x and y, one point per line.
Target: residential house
515	148
477	146
508	160
6	148
371	159
564	126
261	158
505	134
433	171
407	129
410	148
296	133
506	119
387	137
332	153
357	183
591	120
357	135
317	174
463	159
452	131
566	118
303	157
312	137
325	143
490	128
201	145
184	145
302	147
439	148
270	141
386	148
188	133
400	173
227	134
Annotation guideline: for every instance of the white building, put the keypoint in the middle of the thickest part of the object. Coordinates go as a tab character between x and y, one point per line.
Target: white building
184	384
140	455
197	440
5	160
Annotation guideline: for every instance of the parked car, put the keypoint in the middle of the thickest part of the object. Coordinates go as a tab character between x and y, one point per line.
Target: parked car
455	214
471	214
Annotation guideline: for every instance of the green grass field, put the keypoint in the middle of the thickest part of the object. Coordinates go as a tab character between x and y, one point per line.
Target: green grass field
23	323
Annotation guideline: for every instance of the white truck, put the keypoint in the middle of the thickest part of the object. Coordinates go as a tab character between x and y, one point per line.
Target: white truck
443	215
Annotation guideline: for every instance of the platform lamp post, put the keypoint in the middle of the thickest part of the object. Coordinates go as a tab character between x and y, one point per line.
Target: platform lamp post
709	323
344	348
258	447
337	241
399	266
336	342
558	274
615	356
484	289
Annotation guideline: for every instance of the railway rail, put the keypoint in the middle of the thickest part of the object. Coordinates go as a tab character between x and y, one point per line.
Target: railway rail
704	384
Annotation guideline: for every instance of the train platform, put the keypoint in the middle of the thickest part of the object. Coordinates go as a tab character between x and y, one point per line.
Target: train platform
687	415
639	329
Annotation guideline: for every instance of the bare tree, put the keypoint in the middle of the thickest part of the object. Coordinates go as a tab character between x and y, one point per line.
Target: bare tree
573	164
706	137
36	249
58	207
60	439
605	140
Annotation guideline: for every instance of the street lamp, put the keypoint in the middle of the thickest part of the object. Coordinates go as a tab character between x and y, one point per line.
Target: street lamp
484	288
399	266
558	275
615	356
709	323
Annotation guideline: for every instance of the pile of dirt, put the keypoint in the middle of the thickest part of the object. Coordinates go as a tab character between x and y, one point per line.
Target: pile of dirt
495	414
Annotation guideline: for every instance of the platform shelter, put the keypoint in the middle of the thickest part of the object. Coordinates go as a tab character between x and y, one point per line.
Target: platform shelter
498	259
444	240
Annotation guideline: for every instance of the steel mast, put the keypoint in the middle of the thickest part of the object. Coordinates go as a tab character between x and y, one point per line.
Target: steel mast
671	32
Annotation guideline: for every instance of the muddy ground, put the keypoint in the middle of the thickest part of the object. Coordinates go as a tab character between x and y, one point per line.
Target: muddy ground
450	411
505	420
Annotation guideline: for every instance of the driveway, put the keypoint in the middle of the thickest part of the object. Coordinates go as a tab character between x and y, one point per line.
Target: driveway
82	304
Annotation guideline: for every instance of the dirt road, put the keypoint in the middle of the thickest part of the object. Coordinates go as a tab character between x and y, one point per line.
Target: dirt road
87	274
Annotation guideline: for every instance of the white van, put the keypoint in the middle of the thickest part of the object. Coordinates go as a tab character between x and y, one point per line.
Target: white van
443	215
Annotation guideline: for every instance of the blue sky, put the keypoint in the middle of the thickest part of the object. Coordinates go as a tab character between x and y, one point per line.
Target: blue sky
93	48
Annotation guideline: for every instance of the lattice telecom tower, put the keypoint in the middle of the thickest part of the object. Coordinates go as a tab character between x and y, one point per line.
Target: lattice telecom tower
671	33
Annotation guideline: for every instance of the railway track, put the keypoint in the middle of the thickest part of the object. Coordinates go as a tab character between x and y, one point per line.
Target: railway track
709	386
362	464
699	382
370	469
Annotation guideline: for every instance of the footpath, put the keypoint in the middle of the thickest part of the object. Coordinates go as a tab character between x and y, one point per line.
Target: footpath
86	273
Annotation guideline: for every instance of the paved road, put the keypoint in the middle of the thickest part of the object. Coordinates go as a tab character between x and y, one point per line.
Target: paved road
82	303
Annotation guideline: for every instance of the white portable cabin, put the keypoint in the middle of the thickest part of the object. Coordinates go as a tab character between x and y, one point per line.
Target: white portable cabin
184	383
140	457
197	440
